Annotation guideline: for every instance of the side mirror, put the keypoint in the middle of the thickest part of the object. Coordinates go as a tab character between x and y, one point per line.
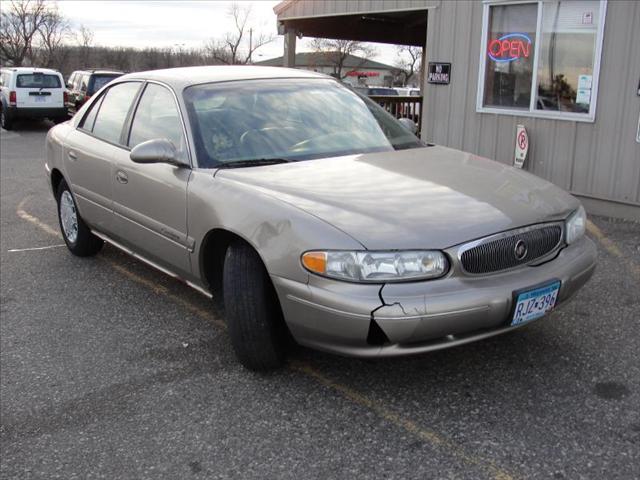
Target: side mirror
158	150
409	124
69	86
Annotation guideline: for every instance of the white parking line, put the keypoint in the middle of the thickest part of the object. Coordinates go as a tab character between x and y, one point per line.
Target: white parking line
13	250
407	424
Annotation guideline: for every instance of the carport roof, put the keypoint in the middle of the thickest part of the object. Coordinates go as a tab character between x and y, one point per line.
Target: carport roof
396	22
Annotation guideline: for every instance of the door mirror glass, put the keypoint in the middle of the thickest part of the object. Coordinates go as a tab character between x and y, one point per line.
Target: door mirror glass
158	150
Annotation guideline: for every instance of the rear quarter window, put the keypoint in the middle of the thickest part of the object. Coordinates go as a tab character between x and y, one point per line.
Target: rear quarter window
38	80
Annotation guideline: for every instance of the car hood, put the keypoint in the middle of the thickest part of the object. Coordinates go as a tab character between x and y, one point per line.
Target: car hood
432	197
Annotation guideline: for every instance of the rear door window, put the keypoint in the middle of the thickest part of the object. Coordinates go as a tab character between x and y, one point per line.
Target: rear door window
113	111
38	80
84	82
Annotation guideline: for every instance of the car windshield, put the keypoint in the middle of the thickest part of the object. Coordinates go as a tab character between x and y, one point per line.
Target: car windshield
37	80
288	120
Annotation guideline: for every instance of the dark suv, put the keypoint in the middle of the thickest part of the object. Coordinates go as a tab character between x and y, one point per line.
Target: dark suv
84	83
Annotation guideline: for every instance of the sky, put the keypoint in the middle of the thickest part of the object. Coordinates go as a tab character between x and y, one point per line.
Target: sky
178	24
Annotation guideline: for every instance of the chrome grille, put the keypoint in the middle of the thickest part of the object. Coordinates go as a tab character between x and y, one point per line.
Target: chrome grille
497	252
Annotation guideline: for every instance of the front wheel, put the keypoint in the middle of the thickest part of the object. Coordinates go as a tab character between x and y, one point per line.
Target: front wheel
256	327
76	234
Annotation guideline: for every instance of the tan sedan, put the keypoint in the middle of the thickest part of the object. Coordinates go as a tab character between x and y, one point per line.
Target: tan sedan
320	217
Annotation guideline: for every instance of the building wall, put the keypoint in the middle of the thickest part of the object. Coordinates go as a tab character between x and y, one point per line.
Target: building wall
600	160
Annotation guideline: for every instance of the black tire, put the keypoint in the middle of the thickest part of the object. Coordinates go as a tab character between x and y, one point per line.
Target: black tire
254	317
85	243
5	121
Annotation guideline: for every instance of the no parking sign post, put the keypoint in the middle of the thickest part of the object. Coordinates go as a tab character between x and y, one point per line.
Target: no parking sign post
522	146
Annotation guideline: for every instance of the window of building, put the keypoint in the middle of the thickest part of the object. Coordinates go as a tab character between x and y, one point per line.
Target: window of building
541	58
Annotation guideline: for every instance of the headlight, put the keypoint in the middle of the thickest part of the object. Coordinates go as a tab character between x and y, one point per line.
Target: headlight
366	266
575	225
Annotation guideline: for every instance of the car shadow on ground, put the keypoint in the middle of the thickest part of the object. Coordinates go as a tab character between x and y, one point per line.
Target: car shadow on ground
30	126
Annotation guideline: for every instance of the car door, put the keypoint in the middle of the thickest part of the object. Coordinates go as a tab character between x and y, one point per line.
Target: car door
91	150
150	200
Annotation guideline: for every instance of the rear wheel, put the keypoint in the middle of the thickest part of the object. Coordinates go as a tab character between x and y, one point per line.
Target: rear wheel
256	326
5	121
76	234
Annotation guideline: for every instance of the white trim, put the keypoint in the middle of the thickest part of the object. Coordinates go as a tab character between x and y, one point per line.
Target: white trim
483	61
532	111
548	114
597	60
536	60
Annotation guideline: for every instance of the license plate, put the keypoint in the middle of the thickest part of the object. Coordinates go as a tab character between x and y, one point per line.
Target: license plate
535	303
40	99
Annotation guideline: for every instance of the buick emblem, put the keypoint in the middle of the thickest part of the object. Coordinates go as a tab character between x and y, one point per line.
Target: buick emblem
520	250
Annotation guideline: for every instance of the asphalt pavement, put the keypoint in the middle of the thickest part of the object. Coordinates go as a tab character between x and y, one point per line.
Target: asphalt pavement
109	369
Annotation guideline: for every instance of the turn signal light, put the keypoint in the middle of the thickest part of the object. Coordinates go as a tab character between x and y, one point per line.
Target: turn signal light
315	262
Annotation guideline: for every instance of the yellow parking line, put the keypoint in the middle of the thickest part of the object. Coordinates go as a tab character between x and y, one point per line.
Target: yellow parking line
388	415
428	436
159	289
611	247
36	221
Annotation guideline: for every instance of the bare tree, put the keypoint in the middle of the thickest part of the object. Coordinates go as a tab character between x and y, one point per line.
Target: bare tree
52	33
408	62
336	52
19	24
84	39
237	47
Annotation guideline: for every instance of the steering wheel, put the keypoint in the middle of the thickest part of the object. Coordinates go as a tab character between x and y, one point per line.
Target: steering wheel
341	139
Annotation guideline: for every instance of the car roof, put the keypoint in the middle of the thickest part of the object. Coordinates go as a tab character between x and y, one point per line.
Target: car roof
30	70
182	77
98	71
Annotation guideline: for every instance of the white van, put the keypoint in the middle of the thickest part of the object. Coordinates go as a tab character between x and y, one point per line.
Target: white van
27	92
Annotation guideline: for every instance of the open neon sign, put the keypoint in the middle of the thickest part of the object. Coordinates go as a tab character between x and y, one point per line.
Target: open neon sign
510	47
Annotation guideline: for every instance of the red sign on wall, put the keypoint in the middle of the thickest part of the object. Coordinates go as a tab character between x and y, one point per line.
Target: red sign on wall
510	47
363	74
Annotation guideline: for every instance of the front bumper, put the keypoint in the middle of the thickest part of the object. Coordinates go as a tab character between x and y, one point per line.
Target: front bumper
422	316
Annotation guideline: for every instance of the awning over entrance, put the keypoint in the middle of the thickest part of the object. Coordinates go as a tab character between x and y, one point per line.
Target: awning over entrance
400	22
401	28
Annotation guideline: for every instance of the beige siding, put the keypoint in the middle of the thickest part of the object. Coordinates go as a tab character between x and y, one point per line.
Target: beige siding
600	159
315	8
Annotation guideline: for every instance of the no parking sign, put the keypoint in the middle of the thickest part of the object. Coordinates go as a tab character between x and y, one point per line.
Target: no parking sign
522	146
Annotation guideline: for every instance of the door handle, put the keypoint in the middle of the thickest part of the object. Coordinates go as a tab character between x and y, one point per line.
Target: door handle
72	155
121	177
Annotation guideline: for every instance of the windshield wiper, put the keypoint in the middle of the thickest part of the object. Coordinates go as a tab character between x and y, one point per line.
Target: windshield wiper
257	162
